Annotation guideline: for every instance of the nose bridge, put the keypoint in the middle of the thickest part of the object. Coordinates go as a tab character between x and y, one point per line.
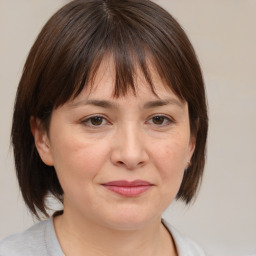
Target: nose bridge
132	138
129	148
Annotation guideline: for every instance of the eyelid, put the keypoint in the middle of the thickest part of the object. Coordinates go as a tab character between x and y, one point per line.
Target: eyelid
85	120
167	117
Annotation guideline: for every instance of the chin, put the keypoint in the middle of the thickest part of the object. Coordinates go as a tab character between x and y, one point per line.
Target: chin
131	220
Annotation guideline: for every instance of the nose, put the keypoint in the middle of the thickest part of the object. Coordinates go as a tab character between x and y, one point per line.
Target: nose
128	148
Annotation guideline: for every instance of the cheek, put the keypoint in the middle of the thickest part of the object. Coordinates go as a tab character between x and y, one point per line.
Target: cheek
172	154
77	161
170	159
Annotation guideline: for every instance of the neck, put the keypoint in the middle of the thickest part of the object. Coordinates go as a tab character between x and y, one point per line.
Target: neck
79	237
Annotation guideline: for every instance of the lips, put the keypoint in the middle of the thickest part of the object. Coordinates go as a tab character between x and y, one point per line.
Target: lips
128	188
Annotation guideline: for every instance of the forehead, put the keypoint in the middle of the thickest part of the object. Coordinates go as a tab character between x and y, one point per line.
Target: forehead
103	83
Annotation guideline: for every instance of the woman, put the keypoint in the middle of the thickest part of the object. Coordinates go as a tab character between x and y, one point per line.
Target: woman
110	118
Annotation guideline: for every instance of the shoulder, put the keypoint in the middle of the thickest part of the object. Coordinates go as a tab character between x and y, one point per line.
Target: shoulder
184	245
30	242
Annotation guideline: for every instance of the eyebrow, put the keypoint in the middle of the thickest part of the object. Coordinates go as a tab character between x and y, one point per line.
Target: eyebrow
98	103
160	103
111	105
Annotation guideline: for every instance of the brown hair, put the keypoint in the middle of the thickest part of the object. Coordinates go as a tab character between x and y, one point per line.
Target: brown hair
67	53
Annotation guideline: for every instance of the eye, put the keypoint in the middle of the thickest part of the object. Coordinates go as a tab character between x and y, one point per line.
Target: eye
160	120
95	121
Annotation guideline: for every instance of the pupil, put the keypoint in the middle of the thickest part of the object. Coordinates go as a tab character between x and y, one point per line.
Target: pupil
158	120
97	120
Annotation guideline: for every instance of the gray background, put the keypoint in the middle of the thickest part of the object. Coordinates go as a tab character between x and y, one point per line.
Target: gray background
223	218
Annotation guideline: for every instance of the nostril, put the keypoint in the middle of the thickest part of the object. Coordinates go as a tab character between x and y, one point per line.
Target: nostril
130	166
120	163
140	164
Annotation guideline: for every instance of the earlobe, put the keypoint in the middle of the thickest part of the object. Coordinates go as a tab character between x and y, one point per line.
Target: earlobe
193	139
192	145
41	139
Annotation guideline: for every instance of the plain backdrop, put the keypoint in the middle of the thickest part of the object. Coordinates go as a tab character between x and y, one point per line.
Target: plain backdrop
223	218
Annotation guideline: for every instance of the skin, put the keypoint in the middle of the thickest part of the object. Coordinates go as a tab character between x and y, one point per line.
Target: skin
133	137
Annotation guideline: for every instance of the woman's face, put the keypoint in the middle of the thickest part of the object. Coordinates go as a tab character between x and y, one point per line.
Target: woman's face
120	161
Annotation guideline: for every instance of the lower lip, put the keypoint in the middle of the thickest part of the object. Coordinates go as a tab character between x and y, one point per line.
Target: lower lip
128	191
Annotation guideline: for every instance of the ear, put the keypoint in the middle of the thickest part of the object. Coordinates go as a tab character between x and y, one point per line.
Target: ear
192	144
41	139
191	149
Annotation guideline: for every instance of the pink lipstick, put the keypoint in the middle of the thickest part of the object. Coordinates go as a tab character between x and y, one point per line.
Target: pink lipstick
128	188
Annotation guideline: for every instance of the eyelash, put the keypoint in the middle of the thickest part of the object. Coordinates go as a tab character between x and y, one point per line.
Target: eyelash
88	121
166	120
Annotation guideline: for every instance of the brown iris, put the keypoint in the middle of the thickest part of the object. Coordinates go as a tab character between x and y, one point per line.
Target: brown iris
158	119
96	120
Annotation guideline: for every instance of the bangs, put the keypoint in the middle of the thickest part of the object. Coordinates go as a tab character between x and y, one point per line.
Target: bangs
85	37
127	63
128	53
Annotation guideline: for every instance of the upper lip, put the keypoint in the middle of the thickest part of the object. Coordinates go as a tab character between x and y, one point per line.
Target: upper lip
125	183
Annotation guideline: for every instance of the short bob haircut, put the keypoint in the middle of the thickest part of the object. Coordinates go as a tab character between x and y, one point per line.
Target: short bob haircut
66	56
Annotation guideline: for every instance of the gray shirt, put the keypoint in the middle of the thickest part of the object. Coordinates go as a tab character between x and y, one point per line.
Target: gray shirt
41	240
